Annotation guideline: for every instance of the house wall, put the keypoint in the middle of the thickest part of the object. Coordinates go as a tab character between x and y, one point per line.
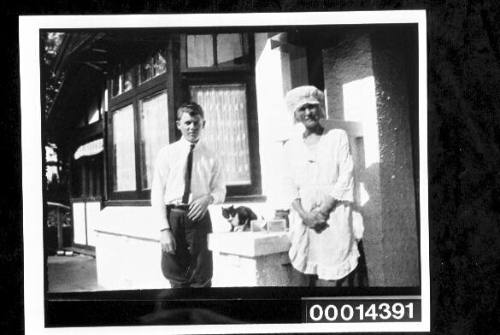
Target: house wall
131	233
85	218
362	80
399	216
363	75
128	252
271	109
274	121
79	226
347	66
277	70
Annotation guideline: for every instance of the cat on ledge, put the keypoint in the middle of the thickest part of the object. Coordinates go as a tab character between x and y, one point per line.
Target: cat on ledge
239	218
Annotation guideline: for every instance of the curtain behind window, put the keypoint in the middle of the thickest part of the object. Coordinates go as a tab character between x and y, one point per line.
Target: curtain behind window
123	149
231	49
226	131
200	51
154	133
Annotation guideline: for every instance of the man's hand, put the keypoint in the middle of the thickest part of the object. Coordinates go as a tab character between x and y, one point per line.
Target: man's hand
167	241
198	207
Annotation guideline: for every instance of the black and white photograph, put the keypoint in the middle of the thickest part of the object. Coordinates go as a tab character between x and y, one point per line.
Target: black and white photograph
247	172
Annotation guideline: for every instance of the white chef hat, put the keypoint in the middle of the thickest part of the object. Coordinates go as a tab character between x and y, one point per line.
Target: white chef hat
302	95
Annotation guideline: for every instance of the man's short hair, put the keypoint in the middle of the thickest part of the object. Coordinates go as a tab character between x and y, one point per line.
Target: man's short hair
192	108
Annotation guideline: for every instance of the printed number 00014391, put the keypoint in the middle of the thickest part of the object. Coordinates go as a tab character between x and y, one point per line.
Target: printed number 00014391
361	312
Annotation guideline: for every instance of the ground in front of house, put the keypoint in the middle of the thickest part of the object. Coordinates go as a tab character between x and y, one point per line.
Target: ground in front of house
74	273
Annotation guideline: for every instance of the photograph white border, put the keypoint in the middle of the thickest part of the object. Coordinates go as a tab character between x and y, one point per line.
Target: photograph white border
29	51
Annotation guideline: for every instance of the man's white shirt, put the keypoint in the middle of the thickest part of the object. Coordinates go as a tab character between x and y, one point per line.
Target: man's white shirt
168	178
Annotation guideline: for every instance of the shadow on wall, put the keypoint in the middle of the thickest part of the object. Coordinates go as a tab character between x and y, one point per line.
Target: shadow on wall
370	248
366	83
388	245
366	214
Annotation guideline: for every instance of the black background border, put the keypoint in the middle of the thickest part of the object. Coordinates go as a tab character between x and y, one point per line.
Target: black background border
463	138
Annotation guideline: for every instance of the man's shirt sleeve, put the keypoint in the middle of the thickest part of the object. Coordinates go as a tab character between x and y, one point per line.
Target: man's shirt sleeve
217	183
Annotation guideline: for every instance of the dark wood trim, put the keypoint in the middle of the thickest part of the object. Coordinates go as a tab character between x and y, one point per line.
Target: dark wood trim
72	222
218	77
109	145
137	143
89	132
315	66
105	165
101	103
174	86
253	129
83	178
70	193
149	89
71	166
124	96
84	246
182	52
243	68
127	202
124	195
102	181
109	158
121	99
88	250
84	199
121	104
151	92
152	84
214	49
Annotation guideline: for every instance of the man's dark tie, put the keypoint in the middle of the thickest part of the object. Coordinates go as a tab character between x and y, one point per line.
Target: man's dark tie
187	175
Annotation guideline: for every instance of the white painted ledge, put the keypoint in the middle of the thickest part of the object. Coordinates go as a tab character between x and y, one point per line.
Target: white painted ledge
134	222
249	244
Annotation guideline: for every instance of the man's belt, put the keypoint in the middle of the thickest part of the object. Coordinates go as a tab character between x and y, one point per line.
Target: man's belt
183	207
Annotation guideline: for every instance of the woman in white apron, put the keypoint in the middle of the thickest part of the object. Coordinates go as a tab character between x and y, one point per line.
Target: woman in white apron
319	184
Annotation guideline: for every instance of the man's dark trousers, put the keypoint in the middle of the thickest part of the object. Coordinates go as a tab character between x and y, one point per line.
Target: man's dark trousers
192	264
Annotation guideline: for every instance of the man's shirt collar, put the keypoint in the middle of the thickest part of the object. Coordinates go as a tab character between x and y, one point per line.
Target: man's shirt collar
186	144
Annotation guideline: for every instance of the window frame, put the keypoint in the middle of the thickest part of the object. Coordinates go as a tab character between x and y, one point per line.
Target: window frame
245	74
89	164
149	88
227	68
175	81
85	135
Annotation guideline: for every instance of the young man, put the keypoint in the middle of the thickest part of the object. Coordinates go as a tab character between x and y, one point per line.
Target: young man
319	185
187	179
